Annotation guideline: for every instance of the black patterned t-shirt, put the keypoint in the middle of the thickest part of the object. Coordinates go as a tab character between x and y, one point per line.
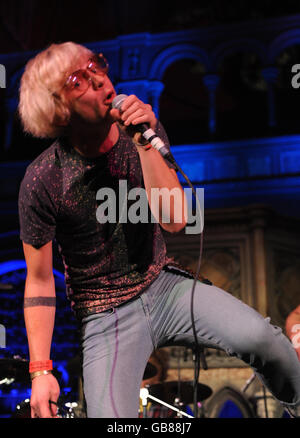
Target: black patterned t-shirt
105	264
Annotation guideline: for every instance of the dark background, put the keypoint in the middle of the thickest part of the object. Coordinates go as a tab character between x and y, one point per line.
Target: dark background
32	24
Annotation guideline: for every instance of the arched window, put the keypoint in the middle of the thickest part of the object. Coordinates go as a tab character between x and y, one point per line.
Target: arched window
241	98
227	402
184	103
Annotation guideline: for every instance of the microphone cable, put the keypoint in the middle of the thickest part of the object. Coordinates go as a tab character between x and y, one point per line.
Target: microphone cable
198	349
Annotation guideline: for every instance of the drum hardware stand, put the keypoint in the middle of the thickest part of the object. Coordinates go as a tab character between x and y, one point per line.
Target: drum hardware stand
198	357
7	381
144	395
265	401
246	386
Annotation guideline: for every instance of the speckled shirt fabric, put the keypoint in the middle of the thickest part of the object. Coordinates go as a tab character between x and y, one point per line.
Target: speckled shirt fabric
105	264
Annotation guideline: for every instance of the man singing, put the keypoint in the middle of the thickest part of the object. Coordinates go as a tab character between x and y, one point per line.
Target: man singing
123	289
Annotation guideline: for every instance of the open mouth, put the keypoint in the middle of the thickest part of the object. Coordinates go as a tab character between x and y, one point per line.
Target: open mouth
109	98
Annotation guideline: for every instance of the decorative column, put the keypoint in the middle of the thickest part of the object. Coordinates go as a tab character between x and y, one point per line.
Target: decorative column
270	75
154	92
138	87
211	82
258	225
147	91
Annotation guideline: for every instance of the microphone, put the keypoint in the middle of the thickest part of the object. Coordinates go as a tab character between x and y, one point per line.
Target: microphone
145	130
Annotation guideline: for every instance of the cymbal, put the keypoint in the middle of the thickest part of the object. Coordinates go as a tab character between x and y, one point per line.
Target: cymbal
14	368
169	391
150	371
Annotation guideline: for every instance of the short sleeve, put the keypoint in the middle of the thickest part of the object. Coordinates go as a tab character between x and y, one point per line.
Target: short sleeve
37	212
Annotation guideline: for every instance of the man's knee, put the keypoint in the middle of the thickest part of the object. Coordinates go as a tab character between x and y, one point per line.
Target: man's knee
258	336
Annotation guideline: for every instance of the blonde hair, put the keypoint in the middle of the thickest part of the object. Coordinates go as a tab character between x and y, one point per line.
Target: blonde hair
40	108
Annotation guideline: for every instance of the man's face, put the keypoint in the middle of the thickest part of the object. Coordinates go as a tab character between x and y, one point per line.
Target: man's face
89	91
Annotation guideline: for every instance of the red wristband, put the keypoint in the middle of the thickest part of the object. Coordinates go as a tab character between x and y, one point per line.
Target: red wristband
40	365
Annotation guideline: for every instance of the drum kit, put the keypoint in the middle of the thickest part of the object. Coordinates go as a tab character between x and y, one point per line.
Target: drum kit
15	371
170	398
181	398
165	399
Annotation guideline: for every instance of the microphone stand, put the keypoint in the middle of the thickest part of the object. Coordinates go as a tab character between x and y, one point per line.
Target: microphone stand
198	357
248	382
144	395
246	386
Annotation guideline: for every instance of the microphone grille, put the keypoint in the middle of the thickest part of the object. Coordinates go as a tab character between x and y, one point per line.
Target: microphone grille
118	100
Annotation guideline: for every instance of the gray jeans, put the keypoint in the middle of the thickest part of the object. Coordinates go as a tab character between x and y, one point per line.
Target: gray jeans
116	344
